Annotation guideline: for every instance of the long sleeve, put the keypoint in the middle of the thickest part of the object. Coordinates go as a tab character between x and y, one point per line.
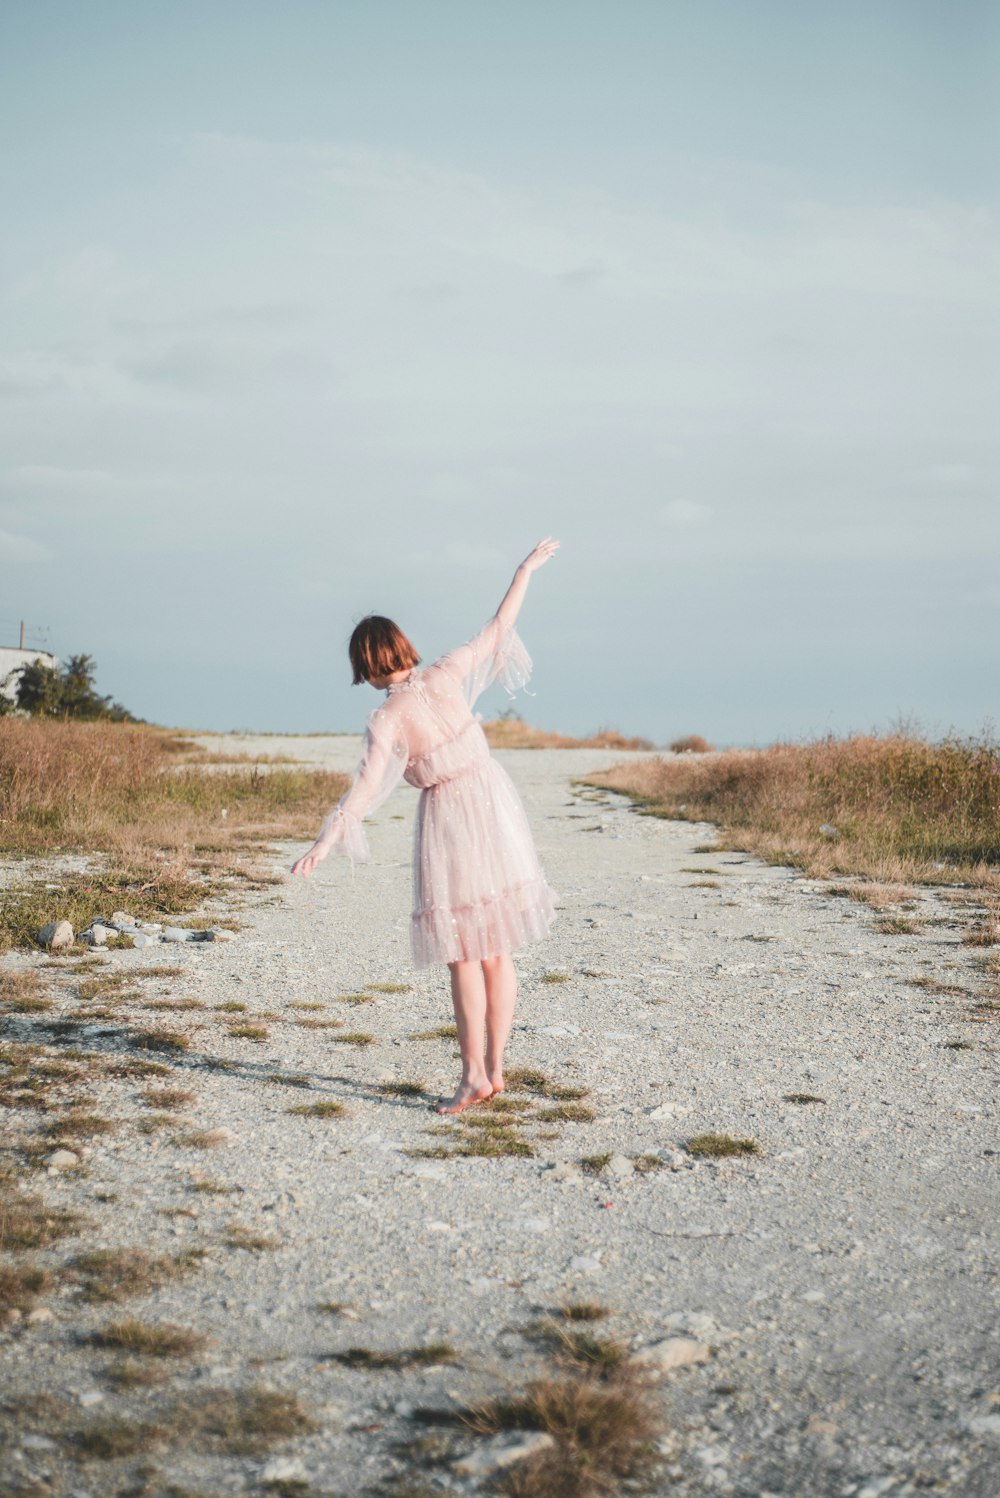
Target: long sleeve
382	764
496	653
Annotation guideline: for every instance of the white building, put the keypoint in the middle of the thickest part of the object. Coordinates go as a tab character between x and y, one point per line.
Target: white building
12	659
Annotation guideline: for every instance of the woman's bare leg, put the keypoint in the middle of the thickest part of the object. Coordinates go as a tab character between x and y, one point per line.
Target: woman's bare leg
468	997
501	996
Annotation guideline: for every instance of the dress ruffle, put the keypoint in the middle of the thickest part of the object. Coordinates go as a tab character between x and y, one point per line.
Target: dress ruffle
468	933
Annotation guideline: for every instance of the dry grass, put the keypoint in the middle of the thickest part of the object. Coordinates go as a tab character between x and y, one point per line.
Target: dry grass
719	1146
148	1339
21	1287
243	1421
128	793
898	925
366	1358
111	1274
239	1236
256	1033
328	1108
354	1037
603	1427
983	934
440	1032
160	1040
905	810
26	1221
511	733
168	1097
402	1089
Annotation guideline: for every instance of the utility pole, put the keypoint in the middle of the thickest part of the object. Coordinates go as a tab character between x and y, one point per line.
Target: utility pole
22	634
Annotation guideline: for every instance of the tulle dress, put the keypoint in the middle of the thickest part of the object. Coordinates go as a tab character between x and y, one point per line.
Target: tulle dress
478	887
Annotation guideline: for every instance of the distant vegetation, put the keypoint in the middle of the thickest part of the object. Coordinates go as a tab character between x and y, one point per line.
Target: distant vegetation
168	828
69	691
508	732
897	808
691	743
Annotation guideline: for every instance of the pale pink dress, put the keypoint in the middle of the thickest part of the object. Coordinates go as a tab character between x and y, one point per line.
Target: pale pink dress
478	888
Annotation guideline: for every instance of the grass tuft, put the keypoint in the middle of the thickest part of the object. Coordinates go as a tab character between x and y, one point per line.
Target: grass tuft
402	1089
111	1274
148	1339
440	1032
354	1037
718	1146
327	1108
368	1359
803	1097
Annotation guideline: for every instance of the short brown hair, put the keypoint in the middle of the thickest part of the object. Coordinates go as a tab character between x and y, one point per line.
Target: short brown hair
378	648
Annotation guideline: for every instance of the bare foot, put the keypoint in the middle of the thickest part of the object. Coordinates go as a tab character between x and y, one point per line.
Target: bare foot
466	1097
497	1083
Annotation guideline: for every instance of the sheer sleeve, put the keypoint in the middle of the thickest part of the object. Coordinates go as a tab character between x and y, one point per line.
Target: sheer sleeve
382	764
497	653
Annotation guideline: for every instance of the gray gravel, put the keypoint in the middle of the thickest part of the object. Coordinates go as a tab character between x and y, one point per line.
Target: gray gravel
843	1279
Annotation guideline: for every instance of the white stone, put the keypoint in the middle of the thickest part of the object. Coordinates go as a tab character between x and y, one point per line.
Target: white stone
96	936
985	1425
563	1170
55	935
38	1443
874	1487
39	1315
122	918
699	1324
284	1469
672	1352
176	933
62	1159
219	933
620	1166
584	1264
90	1397
667	1110
503	1451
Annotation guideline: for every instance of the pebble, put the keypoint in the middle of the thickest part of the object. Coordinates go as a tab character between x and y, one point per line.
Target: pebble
584	1264
38	1443
620	1166
563	1170
874	1487
143	939
96	936
61	1159
672	1352
39	1315
984	1425
89	1398
284	1469
503	1451
56	935
667	1110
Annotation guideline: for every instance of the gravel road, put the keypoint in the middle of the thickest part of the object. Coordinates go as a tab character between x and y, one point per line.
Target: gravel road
843	1277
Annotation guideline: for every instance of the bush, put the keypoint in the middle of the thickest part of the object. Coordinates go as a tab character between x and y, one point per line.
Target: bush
691	743
69	692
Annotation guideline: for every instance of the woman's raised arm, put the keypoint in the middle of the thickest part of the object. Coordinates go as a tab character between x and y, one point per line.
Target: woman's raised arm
514	597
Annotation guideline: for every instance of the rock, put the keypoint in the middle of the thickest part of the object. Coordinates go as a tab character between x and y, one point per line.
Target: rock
62	1159
122	918
39	1315
675	1159
984	1425
672	1352
620	1166
563	1170
176	933
142	938
700	1325
584	1264
38	1443
153	928
96	936
284	1469
874	1487
56	935
828	830
503	1451
667	1110
219	933
89	1398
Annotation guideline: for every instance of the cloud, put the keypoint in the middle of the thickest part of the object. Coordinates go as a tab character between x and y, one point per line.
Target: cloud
21	550
685	515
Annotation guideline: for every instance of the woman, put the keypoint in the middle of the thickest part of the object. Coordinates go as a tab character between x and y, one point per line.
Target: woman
478	889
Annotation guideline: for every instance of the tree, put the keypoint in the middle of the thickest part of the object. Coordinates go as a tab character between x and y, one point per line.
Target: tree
47	692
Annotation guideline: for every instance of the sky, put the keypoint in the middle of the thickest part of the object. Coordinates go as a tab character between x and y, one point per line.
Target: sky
318	309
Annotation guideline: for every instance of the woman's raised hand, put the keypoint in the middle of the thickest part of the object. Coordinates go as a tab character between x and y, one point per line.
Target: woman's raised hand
542	553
